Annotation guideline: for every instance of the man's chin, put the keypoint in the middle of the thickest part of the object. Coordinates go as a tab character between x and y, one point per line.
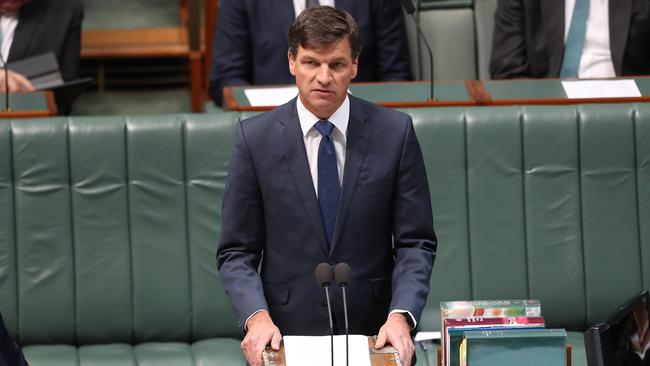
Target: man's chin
323	108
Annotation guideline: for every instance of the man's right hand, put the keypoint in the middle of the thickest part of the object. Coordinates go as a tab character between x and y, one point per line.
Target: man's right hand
16	82
261	331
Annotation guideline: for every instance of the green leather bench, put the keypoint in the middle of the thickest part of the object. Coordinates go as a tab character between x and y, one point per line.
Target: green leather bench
109	226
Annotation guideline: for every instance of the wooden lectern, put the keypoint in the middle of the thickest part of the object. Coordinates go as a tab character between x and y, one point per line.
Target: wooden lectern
386	356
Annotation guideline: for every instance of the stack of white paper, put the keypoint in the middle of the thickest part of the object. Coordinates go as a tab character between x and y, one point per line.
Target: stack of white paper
316	351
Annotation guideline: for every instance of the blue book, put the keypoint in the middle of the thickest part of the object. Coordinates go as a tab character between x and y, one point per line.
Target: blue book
530	347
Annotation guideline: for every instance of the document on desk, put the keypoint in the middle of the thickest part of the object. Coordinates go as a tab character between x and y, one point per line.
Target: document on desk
270	96
315	351
582	89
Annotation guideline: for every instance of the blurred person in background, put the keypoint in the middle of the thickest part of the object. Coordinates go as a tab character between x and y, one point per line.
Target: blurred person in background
33	27
570	39
251	41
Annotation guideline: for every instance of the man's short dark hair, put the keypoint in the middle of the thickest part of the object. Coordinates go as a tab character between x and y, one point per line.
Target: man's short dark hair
322	26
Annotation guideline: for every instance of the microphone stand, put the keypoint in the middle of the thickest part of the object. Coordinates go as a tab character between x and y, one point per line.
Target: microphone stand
329	312
345	312
410	9
6	72
324	276
343	274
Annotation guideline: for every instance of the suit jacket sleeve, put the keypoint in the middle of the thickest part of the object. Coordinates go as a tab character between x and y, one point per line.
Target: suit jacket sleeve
231	56
414	238
10	353
392	58
242	234
509	57
71	47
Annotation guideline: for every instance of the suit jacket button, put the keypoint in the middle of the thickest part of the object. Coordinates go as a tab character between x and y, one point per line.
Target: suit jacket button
324	303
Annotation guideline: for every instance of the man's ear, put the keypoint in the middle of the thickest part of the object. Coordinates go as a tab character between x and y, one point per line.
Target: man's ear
292	63
355	66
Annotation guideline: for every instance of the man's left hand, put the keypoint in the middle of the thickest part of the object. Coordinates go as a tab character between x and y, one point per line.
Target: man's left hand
397	332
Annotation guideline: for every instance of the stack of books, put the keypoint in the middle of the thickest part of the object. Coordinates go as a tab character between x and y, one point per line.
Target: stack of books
499	332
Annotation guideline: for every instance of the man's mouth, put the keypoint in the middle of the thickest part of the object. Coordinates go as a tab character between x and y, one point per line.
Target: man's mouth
324	91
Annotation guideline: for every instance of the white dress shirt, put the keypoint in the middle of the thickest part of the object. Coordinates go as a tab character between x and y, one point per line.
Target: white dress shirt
8	24
312	137
596	59
299	5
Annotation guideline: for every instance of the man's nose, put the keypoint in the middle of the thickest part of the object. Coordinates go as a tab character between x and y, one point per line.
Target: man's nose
324	75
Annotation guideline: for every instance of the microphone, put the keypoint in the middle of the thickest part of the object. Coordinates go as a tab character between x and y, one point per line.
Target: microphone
324	276
342	274
6	72
410	9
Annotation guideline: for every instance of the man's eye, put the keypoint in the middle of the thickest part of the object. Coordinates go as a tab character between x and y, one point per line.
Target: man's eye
311	63
337	65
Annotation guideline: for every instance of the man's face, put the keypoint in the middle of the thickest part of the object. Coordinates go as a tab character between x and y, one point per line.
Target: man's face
323	76
11	6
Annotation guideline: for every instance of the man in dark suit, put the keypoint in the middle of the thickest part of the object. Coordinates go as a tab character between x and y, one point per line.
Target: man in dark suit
529	38
328	178
10	353
250	42
44	26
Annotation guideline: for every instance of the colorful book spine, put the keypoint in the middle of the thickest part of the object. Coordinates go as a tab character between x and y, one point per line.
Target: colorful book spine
490	308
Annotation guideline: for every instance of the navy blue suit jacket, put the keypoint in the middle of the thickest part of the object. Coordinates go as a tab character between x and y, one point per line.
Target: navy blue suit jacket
251	42
10	354
271	216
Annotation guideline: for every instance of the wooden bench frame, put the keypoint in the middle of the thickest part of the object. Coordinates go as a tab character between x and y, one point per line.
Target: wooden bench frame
183	41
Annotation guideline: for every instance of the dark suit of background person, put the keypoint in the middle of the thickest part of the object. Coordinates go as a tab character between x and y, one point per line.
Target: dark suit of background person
250	43
529	38
270	210
10	353
50	25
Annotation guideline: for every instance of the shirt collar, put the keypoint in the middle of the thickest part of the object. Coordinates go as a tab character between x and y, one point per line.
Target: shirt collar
339	118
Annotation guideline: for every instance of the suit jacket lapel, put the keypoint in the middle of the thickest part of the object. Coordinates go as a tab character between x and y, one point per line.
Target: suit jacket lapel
29	20
552	19
620	12
294	152
357	141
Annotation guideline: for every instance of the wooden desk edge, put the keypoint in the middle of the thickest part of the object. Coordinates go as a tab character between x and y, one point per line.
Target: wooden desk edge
50	110
476	91
51	103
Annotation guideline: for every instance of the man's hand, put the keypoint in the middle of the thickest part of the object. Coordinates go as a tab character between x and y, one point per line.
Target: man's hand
396	332
17	82
261	331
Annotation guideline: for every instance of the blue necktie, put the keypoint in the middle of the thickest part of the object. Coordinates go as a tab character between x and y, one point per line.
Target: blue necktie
329	187
575	40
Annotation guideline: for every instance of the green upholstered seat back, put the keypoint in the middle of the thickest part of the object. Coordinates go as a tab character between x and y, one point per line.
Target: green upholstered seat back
548	202
109	228
449	28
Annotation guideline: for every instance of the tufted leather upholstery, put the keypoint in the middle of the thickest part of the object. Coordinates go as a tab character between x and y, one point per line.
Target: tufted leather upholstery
109	226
